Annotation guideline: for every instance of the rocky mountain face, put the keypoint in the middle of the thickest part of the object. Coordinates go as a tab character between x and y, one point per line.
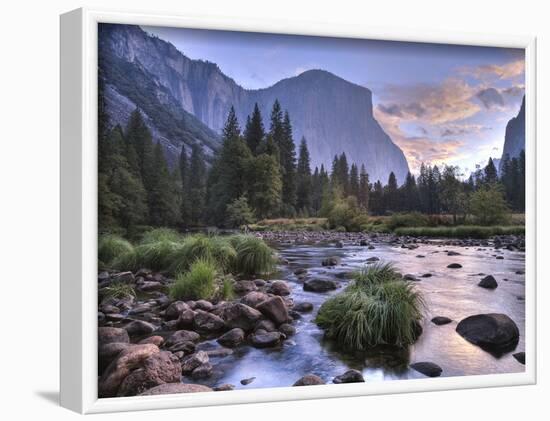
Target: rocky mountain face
333	114
514	139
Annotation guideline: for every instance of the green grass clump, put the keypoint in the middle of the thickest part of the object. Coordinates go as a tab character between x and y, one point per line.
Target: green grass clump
378	308
161	234
156	255
196	284
227	291
254	256
118	291
111	246
462	231
412	219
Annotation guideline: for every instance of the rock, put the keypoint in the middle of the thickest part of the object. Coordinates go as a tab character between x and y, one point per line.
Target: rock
140	309
520	356
320	285
266	325
441	320
107	335
239	315
185	347
124	277
427	368
219	352
232	338
427	275
139	327
495	333
489	282
109	309
160	368
454	266
172	388
453	253
148	286
208	322
224	387
203	371
182	336
120	368
157	340
108	352
362	243
279	288
260	282
410	277
350	376
244	382
331	261
203	305
193	361
287	329
275	309
174	310
116	317
103	276
372	259
244	287
254	298
186	319
309	380
303	307
265	340
500	257
300	271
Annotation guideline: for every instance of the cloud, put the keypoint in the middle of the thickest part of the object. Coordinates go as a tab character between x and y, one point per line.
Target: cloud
516	91
457	130
402	110
503	71
490	98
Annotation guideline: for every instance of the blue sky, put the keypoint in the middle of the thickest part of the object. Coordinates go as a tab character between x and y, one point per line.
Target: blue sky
440	103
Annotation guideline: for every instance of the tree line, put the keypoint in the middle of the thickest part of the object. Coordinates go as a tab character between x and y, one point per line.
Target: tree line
257	174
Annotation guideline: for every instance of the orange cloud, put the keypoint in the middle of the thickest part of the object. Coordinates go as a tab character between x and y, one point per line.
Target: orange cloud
503	71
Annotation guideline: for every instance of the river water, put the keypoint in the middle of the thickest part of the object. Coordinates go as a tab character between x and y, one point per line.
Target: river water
448	292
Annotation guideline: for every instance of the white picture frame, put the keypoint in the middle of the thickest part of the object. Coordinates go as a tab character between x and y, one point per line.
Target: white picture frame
79	212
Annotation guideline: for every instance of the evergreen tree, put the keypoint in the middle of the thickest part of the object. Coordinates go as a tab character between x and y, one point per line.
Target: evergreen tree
196	185
364	189
354	181
410	196
265	185
254	132
491	176
138	135
452	196
391	194
185	207
287	152
239	213
377	199
304	182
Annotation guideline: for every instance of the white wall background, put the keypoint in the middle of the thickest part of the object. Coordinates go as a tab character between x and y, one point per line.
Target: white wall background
29	210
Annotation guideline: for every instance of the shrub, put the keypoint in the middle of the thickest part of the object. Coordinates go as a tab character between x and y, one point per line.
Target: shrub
378	308
218	250
239	213
110	247
413	219
196	284
462	231
488	206
254	256
118	291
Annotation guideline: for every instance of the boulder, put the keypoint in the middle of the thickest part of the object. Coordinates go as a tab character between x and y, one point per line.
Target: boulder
186	319
265	325
125	277
489	282
265	340
185	347
350	376
254	298
139	327
309	380
287	329
203	305
157	340
193	361
331	261
160	368
300	271
454	266
232	338
224	387
182	336
372	259
126	361
303	307
320	285
249	380
239	315
108	352
107	335
203	371
279	288
208	322
274	309
495	333
172	388
174	310
410	277
441	320
244	287
427	368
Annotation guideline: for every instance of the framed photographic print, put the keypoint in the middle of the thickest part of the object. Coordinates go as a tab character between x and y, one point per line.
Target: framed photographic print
263	211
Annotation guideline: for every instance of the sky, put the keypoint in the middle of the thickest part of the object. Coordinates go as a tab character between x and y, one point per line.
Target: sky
440	103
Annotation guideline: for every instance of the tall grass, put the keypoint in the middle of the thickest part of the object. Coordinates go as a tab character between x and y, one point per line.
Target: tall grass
216	249
118	291
198	283
378	308
253	257
161	234
110	246
462	231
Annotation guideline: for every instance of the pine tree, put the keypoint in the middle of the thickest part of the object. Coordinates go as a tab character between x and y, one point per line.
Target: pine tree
354	181
377	199
491	176
410	196
254	132
140	137
265	185
364	189
304	182
287	152
197	185
391	194
184	173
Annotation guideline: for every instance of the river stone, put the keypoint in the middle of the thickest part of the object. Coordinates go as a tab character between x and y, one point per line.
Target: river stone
249	380
300	271
120	368
139	327
239	315
244	287
489	282
453	253
265	325
208	322
109	309
107	335
275	309
193	361
279	288
125	277
372	259
186	347
254	298
350	376
265	340
108	352
520	357
495	333
186	319
427	368
427	275
331	261
303	307
410	277
182	336
160	368
441	320
157	340
309	380
174	310
232	338
224	387
203	305
320	285
172	388
454	266
203	371
287	329
148	286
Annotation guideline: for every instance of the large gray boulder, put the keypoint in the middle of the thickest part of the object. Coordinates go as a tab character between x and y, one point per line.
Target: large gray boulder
495	333
320	285
274	309
238	315
107	335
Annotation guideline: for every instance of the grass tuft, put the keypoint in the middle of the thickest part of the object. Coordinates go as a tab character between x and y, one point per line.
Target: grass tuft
196	284
253	257
110	246
118	291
